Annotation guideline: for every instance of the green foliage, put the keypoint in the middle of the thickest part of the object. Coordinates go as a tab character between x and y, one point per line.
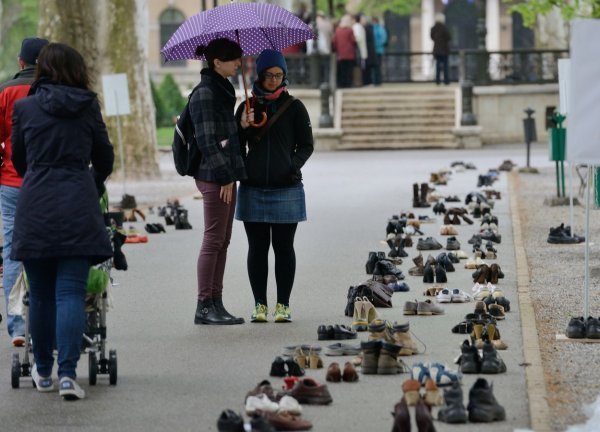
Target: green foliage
569	10
162	118
172	100
400	7
18	20
164	136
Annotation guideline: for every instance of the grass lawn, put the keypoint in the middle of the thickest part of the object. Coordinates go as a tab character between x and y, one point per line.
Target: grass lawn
164	136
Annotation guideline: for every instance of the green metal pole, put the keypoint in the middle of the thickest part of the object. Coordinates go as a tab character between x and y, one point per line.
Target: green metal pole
557	179
562	176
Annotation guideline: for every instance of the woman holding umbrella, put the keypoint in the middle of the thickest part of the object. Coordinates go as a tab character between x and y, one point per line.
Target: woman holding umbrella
271	200
211	108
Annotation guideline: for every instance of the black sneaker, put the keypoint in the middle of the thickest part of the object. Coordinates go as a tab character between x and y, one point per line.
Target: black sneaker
592	328
491	363
483	406
576	328
230	421
278	367
470	362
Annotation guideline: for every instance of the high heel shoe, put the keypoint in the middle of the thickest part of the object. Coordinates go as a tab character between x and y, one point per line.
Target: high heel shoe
300	358
315	360
369	310
359	322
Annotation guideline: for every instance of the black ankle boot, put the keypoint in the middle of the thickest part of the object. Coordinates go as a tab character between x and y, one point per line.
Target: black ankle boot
218	302
206	313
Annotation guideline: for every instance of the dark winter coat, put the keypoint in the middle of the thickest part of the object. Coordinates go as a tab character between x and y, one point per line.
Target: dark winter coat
211	109
276	160
441	39
56	133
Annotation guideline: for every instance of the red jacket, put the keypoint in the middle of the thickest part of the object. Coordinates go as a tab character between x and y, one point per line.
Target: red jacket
344	43
11	91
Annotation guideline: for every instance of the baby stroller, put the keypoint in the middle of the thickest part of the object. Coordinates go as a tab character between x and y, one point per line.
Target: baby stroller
96	306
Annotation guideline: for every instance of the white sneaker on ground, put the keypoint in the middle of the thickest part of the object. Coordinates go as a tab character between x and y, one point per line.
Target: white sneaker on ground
43	384
290	405
69	389
261	402
444	296
459	296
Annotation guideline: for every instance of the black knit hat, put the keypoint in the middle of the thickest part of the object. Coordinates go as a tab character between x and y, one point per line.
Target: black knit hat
30	49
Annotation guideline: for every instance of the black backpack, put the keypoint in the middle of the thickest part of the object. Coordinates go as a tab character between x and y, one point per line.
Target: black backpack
186	154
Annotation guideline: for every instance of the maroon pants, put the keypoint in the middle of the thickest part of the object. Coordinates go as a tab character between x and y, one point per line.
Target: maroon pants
218	221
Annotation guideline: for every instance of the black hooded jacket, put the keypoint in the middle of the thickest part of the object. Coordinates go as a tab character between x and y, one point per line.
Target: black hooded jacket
57	132
276	160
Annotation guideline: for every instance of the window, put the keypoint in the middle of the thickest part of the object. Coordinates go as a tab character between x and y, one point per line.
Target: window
170	20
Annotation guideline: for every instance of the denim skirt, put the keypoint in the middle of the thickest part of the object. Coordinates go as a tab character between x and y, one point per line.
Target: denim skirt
271	205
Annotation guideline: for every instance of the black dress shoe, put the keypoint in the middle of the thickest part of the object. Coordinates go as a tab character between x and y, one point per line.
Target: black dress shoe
230	421
325	332
428	274
341	332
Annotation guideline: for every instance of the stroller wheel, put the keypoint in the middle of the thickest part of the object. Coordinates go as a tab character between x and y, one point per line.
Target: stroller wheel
92	367
15	371
112	367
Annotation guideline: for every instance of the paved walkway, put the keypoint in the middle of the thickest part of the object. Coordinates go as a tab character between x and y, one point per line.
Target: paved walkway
174	375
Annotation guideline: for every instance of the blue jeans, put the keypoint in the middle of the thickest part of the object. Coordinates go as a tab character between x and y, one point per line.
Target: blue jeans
8	202
57	288
441	66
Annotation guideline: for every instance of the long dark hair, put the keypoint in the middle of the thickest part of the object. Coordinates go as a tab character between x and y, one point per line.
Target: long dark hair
222	49
62	64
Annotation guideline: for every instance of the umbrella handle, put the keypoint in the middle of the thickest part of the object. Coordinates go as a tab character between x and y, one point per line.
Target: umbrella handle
253	123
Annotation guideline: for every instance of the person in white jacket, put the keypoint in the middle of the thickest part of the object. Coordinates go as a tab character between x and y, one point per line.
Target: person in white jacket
361	41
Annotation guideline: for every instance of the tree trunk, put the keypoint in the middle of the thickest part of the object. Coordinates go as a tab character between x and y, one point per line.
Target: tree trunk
111	35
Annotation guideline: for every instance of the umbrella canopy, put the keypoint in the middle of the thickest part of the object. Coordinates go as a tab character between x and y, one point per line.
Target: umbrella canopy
255	26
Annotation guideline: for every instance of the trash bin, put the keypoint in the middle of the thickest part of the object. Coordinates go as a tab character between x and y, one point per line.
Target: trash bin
557	140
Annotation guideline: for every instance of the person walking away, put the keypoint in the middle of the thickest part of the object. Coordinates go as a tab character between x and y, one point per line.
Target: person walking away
361	42
10	182
271	200
344	44
324	40
59	230
381	39
211	108
441	48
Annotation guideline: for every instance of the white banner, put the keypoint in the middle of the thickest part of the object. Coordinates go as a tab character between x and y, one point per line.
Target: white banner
583	131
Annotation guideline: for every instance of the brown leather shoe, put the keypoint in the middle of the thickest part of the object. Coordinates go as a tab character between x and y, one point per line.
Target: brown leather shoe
401	417
308	391
423	417
263	387
350	374
334	374
286	422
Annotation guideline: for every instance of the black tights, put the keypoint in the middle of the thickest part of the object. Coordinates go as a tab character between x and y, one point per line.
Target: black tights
260	236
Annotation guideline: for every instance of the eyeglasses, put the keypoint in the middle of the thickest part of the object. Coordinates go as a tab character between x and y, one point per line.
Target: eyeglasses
277	76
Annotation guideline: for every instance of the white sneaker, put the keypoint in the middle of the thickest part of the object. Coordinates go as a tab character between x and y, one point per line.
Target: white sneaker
262	403
290	405
444	296
459	296
69	389
43	384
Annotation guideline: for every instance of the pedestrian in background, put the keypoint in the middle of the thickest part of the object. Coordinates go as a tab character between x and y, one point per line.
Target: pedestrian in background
371	62
271	200
381	39
344	44
10	182
441	48
59	229
360	36
322	45
212	106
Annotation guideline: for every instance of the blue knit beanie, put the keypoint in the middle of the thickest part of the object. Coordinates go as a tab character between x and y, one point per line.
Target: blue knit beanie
270	58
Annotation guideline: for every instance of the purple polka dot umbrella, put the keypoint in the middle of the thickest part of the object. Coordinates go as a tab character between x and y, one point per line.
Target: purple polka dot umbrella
255	26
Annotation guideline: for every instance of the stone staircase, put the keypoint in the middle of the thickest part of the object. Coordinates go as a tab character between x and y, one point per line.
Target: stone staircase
395	117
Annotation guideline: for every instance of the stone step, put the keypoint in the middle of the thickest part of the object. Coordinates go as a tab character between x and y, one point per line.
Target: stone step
427	130
409	97
396	144
398	112
408	136
399	122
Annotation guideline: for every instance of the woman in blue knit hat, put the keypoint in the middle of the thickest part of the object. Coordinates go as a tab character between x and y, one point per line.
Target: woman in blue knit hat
271	200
